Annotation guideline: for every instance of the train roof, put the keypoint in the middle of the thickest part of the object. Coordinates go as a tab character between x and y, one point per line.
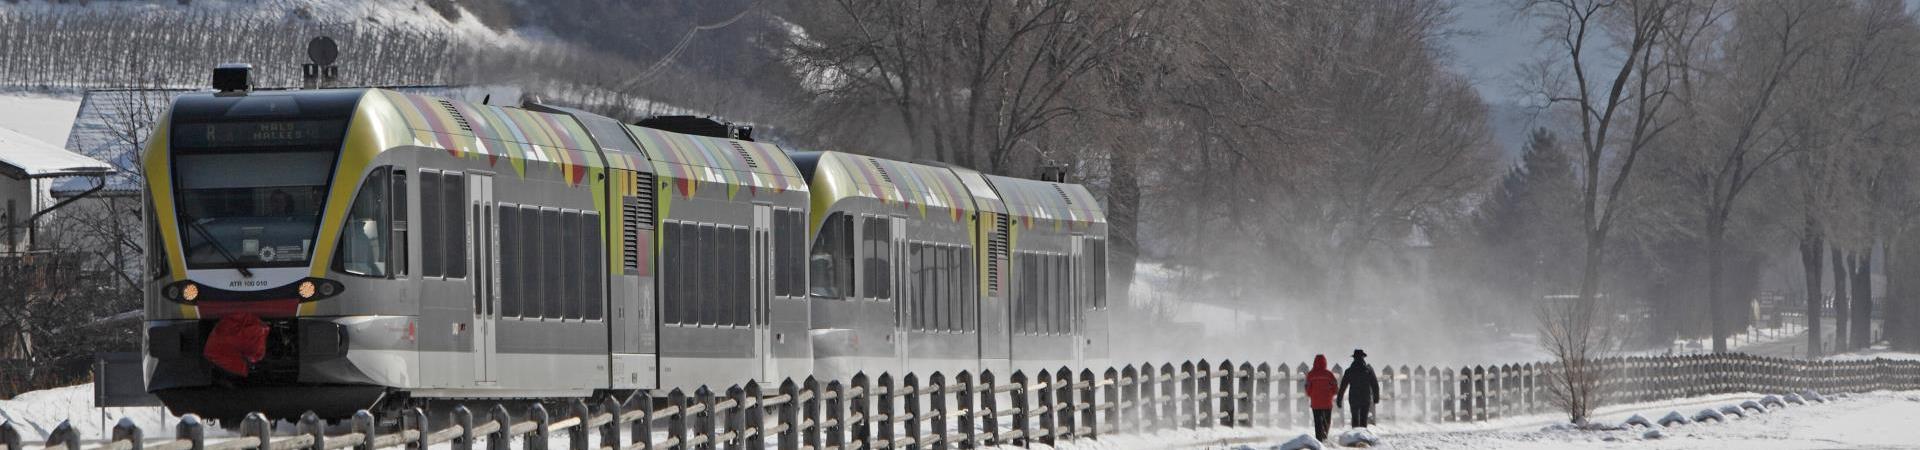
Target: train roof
1048	203
926	190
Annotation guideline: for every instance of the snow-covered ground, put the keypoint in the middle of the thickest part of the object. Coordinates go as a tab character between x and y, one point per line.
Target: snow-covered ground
1870	420
34	414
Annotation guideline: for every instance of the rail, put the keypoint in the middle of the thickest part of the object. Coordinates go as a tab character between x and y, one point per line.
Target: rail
1047	407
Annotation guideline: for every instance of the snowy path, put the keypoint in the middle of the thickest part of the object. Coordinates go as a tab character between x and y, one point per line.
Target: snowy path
1867	421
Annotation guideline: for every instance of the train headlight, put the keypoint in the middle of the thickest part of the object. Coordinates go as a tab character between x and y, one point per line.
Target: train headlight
190	292
306	289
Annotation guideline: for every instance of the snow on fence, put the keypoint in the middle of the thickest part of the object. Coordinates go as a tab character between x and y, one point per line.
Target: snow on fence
966	411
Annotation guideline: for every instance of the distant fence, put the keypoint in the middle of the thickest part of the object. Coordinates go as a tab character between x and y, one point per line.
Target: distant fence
965	411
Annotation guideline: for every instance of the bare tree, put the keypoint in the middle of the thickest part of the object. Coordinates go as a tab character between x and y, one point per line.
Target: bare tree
1652	42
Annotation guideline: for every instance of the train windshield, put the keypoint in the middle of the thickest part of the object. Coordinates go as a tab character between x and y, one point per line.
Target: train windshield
250	194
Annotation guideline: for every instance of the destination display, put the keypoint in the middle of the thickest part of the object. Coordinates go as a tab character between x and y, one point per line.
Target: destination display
258	134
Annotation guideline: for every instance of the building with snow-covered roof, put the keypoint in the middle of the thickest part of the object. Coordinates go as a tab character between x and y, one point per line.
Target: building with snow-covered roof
28	169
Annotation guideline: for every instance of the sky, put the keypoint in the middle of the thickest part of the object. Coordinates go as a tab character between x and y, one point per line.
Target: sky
1490	43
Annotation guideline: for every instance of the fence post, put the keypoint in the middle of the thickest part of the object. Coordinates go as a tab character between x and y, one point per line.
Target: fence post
576	434
1170	389
126	431
537	440
1146	401
910	397
756	417
733	421
255	426
309	425
858	412
677	422
989	415
191	430
937	406
609	433
1022	434
64	434
461	416
1116	405
1088	425
704	423
964	400
1479	393
643	428
882	397
415	419
1183	399
836	415
1202	395
789	416
500	439
1282	398
1063	398
1227	407
1044	401
810	413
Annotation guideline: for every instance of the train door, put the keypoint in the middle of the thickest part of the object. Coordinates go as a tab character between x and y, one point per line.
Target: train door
760	289
897	256
483	242
1075	285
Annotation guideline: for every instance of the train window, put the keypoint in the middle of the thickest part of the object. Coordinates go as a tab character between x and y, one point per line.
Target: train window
969	302
363	237
877	284
917	296
570	238
690	270
830	266
711	288
950	285
720	277
1063	290
782	236
595	265
797	261
742	272
398	217
432	222
157	261
1023	293
510	265
453	188
675	265
528	257
552	271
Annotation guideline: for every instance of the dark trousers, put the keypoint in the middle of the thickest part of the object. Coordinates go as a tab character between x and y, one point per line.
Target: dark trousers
1360	412
1322	418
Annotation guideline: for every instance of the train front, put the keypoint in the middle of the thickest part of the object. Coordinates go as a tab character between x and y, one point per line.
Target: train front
276	245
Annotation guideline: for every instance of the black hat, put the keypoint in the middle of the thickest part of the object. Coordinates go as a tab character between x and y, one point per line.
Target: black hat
1357	353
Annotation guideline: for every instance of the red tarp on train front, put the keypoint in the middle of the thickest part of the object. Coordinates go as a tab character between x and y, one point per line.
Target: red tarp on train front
239	340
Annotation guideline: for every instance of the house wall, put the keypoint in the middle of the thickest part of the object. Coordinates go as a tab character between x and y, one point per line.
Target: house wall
16	205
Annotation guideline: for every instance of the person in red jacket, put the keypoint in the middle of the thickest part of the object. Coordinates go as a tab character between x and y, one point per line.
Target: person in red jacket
1321	385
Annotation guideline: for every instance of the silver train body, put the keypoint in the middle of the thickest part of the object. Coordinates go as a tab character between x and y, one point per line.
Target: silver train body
398	248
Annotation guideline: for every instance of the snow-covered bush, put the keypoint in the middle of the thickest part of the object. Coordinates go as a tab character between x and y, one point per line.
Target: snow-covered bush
1813	396
1773	401
1358	438
1730	410
1674	418
1794	399
1753	405
1637	420
1301	442
1653	434
1709	414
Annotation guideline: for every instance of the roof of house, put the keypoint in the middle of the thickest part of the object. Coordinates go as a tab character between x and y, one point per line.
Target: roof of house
25	157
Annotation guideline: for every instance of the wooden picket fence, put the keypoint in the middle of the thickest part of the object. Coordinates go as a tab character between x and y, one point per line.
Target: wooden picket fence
968	411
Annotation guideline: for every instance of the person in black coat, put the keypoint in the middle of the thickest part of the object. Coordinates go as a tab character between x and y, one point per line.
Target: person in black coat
1366	389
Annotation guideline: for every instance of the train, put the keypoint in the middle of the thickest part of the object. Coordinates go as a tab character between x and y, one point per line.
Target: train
333	250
